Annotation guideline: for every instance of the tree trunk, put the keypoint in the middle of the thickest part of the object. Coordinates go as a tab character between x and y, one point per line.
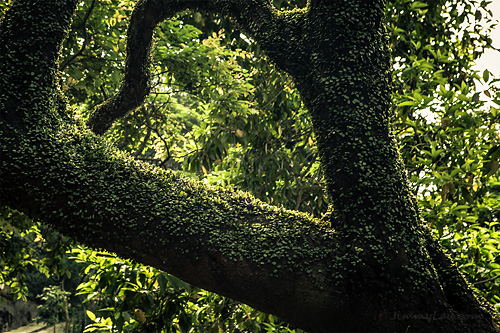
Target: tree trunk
370	266
66	308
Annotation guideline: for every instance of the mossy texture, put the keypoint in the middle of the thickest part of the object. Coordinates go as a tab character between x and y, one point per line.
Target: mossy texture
371	258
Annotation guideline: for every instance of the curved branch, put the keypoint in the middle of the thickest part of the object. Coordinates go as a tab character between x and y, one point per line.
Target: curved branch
136	81
135	86
257	17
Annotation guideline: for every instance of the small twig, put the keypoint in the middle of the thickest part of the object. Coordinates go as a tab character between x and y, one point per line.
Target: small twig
84	44
299	200
147	136
125	140
158	133
103	90
487	280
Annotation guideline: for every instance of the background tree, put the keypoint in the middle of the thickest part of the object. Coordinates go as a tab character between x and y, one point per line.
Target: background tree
55	306
238	132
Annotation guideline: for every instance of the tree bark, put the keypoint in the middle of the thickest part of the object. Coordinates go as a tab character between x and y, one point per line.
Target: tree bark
369	266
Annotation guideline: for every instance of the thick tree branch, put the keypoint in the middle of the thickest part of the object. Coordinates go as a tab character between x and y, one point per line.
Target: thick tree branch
377	263
216	238
222	240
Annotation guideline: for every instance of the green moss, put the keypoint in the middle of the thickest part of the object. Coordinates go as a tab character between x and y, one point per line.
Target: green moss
114	194
54	168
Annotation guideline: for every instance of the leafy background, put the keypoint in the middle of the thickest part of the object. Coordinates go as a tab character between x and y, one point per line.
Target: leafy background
221	113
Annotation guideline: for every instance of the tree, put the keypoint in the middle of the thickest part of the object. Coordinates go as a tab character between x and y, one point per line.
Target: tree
368	265
55	306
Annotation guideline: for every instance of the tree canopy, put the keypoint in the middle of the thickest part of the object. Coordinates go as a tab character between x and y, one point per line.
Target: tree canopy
213	106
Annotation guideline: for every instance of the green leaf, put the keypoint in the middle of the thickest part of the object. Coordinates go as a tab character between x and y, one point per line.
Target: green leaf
408	103
178	283
418	4
91	315
493	153
486	75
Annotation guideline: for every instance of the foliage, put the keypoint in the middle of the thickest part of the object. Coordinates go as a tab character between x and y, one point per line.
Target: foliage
26	245
55	305
17	248
220	112
132	297
449	130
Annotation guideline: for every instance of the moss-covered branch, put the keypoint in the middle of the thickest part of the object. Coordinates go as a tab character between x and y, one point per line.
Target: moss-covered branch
136	82
219	239
377	271
279	261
